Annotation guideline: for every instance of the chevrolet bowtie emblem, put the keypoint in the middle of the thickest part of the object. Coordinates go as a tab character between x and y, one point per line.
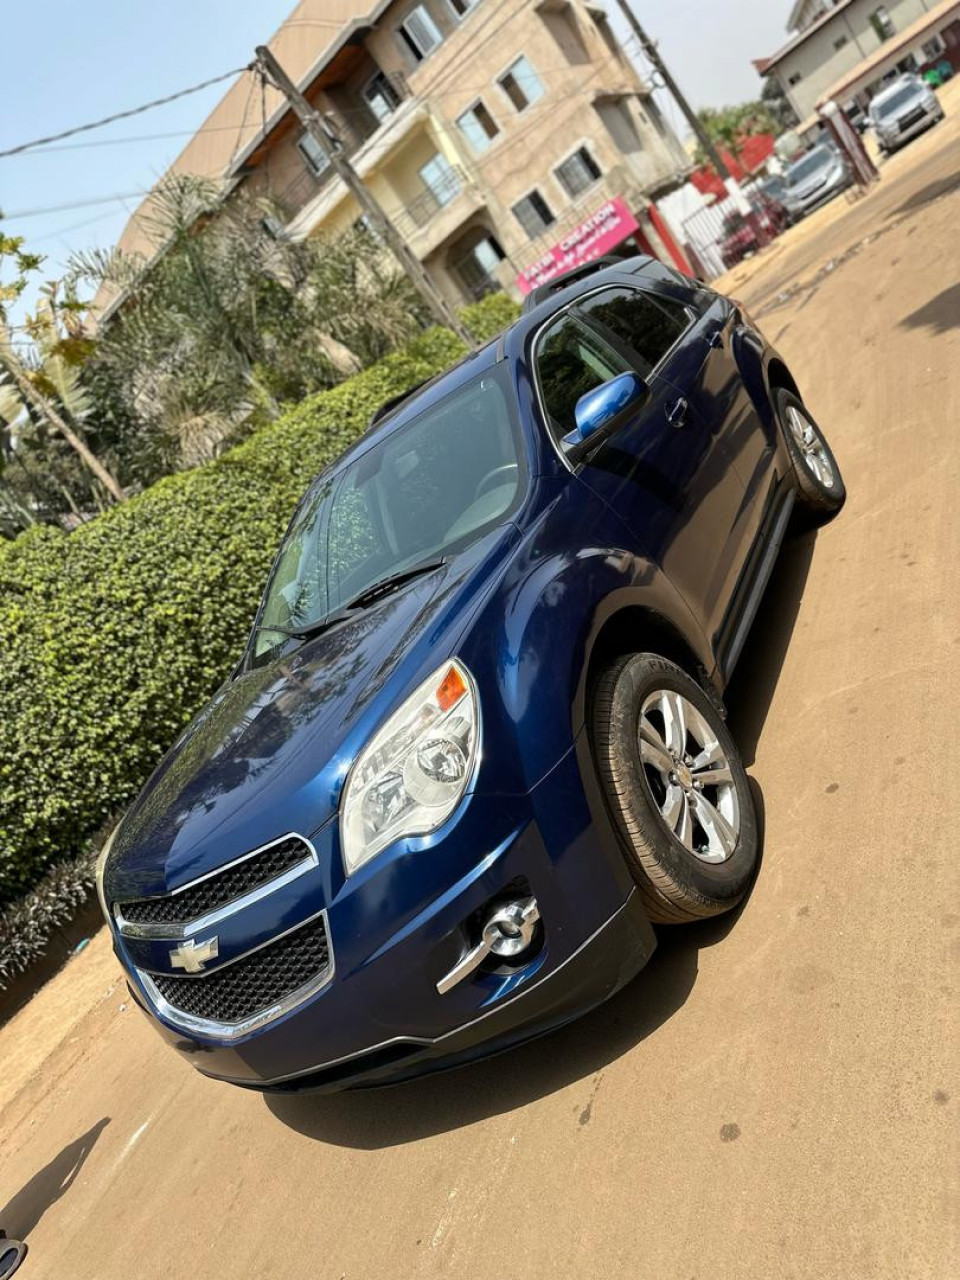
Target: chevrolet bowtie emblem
192	956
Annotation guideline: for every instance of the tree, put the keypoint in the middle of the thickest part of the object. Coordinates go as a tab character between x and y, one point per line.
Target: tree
42	392
778	104
728	126
228	320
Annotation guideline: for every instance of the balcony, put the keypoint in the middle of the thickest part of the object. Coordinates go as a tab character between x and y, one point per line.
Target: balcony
434	215
354	122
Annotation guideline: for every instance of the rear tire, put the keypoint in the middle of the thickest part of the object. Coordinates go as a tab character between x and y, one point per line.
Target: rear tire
692	845
820	486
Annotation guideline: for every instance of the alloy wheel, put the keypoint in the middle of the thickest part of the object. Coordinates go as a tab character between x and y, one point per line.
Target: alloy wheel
689	776
811	445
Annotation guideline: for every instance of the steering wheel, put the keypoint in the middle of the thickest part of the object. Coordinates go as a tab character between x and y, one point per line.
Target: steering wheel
492	479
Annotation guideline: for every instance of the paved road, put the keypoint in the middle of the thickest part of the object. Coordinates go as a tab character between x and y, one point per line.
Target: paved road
777	1095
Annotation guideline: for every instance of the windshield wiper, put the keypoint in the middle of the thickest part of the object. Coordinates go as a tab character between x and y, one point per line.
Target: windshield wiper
359	602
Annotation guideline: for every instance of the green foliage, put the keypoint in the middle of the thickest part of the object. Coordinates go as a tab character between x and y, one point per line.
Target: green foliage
26	926
728	126
113	637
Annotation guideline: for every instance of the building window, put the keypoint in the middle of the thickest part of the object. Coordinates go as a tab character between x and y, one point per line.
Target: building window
478	126
419	33
840	42
795	78
381	96
605	31
933	48
621	126
562	24
478	267
534	214
882	24
578	172
318	162
461	8
441	179
521	84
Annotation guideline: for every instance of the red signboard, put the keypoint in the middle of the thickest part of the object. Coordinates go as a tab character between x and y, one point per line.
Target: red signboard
611	224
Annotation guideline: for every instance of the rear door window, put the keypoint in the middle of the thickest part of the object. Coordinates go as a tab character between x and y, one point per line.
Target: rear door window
646	326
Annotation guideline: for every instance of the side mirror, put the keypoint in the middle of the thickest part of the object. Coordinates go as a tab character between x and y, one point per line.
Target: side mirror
602	410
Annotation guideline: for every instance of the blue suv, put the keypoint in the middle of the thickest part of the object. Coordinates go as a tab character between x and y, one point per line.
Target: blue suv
476	745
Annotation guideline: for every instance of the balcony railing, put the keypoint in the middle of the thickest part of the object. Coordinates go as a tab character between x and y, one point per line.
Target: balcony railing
420	211
352	132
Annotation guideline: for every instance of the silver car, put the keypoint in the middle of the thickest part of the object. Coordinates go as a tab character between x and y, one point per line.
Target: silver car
816	178
901	111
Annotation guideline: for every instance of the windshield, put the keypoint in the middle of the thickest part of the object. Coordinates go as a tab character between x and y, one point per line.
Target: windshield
426	490
890	106
805	168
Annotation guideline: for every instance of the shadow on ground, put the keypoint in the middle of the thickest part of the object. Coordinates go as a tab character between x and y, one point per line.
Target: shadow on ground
754	683
389	1117
940	314
926	195
21	1214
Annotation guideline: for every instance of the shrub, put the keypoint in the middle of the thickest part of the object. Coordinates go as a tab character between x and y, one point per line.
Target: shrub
113	637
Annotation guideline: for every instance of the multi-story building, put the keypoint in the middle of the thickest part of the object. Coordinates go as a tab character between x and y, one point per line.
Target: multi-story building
834	39
491	131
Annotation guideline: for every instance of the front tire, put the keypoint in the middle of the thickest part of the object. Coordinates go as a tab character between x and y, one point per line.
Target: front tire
820	486
676	789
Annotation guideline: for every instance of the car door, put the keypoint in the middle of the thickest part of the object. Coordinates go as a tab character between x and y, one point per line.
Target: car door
661	470
692	350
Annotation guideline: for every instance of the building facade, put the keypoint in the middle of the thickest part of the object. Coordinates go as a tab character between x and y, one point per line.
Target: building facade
832	40
490	132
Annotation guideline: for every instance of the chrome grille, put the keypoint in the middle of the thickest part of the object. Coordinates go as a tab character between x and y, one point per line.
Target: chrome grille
218	890
285	970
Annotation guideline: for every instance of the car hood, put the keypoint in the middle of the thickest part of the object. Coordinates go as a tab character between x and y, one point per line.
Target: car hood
904	109
270	752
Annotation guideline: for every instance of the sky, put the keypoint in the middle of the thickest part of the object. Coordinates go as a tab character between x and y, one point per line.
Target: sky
67	63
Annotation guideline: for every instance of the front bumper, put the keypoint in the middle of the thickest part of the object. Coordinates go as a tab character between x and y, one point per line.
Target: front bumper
892	141
826	193
402	922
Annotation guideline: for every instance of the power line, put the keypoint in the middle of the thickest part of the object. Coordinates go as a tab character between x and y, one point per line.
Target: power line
121	115
560	69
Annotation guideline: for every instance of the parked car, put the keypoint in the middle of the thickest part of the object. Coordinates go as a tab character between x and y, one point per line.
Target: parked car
774	188
744	234
902	110
817	177
476	746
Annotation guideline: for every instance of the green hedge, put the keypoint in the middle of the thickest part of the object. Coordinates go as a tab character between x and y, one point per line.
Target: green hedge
111	638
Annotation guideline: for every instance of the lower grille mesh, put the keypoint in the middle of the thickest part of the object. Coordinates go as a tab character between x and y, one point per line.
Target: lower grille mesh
240	990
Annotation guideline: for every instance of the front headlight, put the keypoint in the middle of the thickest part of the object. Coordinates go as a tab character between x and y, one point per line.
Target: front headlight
101	867
411	775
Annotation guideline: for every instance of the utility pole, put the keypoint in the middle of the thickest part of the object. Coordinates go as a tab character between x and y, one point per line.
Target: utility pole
381	223
652	53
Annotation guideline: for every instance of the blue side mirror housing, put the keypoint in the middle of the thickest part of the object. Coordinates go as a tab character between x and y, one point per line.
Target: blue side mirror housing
601	410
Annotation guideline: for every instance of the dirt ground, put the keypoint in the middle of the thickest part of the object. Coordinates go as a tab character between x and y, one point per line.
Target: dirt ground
776	1095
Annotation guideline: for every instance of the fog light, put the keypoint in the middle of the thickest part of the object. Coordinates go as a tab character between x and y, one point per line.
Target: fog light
507	933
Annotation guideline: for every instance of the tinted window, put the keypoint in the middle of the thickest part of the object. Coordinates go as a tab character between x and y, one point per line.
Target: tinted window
428	488
571	360
647	325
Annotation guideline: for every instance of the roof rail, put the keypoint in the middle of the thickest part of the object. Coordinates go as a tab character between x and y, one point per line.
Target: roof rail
388	406
544	291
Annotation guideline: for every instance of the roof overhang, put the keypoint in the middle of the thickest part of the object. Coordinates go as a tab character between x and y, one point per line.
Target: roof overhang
351	36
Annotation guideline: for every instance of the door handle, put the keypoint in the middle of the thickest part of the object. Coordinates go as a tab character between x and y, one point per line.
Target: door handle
677	413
